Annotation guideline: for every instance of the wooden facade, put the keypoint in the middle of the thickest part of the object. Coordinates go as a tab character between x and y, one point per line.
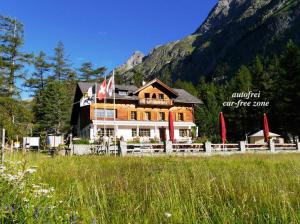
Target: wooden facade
145	108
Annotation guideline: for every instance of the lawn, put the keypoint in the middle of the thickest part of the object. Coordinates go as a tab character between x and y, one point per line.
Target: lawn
256	188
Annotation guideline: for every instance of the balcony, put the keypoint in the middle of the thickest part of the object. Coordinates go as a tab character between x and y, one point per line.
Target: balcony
149	101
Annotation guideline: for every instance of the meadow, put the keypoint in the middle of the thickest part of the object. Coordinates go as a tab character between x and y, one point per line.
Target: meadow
250	188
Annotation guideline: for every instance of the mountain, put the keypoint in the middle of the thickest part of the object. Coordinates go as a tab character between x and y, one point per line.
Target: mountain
234	32
135	59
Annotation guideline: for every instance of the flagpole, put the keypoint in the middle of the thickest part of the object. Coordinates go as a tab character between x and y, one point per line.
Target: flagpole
114	92
95	112
106	139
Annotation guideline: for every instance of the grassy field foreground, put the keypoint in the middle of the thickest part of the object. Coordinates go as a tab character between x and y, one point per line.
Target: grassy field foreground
91	189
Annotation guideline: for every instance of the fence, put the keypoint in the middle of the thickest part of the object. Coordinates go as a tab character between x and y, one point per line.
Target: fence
206	148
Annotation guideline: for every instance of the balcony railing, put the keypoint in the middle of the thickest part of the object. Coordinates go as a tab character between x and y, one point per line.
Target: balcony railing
155	102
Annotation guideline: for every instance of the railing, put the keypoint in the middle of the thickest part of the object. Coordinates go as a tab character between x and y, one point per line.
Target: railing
187	148
286	146
208	148
149	101
257	147
145	149
225	147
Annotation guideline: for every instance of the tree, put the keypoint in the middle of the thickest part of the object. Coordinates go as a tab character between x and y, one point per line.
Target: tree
288	90
15	117
137	78
186	85
12	60
88	73
207	115
60	63
40	74
52	108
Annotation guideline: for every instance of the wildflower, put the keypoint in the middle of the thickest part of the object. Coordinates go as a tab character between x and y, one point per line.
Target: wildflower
168	215
30	170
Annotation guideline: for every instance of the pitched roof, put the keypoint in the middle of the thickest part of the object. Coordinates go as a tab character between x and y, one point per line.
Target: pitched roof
180	95
185	97
261	134
160	83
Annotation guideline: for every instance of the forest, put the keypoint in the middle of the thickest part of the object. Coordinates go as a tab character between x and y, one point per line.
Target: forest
51	81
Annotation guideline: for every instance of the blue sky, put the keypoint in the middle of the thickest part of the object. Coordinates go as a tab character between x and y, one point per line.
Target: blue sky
105	32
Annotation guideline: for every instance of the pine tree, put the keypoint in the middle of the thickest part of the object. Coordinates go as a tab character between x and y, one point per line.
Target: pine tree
88	73
60	63
12	60
39	76
52	108
288	90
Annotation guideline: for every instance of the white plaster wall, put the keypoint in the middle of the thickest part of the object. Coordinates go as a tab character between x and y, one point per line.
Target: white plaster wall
125	132
176	133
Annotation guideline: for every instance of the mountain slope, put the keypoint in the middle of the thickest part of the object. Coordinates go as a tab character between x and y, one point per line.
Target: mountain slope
233	34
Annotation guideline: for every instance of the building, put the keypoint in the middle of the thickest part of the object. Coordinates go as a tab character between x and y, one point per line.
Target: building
139	112
259	138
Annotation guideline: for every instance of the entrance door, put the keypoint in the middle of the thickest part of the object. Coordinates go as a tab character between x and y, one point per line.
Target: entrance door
162	134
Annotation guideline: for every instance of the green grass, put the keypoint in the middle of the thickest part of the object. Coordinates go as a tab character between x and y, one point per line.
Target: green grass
237	189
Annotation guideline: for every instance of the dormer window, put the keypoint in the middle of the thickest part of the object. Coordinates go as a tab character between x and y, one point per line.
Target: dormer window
123	93
161	96
147	95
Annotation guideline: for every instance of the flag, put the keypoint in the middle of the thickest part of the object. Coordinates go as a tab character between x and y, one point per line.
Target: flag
223	128
110	85
266	128
171	126
87	97
102	90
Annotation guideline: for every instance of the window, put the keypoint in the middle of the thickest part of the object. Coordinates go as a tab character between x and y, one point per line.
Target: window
109	132
145	132
147	116
184	132
133	115
153	96
161	116
161	96
123	92
100	113
133	132
180	116
147	95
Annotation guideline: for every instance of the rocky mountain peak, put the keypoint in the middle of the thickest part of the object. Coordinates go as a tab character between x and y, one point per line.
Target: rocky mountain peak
135	59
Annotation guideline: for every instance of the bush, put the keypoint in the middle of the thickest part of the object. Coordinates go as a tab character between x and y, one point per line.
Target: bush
81	142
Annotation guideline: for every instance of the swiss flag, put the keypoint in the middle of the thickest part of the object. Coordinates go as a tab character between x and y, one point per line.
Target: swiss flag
102	90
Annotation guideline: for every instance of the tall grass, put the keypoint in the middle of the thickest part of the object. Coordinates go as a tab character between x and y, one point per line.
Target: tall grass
236	189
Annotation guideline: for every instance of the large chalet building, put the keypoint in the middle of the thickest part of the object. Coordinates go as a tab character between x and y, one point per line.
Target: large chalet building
139	112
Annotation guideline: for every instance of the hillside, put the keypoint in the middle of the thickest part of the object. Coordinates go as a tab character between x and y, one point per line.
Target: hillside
234	32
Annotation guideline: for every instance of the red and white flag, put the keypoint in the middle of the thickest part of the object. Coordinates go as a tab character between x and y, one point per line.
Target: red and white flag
110	85
102	90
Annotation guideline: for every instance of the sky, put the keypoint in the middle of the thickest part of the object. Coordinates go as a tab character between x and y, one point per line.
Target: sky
105	32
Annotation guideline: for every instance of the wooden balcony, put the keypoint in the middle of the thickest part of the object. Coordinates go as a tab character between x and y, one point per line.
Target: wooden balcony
149	101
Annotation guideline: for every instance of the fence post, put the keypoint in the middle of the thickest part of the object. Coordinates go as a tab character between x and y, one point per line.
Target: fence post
123	148
207	147
272	146
168	147
242	146
298	146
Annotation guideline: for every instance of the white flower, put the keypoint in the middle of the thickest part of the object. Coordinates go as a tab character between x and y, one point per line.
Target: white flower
30	170
168	215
